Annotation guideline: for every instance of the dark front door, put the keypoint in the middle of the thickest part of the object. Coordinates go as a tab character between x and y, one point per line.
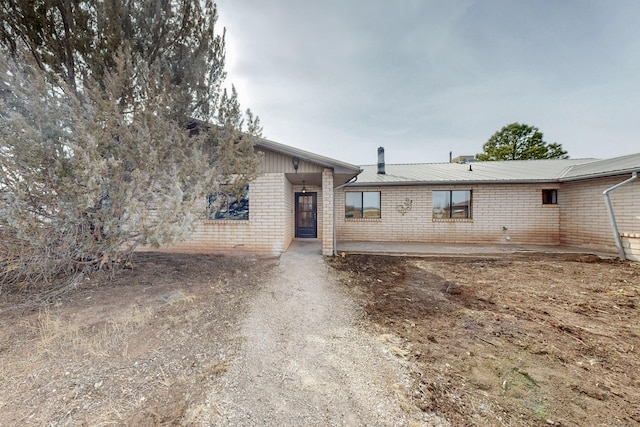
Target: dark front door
306	215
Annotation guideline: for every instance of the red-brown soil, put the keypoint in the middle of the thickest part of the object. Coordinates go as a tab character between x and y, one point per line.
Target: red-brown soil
546	341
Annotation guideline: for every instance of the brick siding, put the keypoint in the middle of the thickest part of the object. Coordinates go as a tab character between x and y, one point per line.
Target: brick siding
584	220
507	213
500	214
268	229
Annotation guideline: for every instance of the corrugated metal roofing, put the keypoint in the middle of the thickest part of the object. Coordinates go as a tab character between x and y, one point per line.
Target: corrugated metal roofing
614	166
515	171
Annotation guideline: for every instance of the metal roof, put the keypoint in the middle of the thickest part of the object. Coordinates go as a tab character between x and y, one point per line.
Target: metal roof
614	166
512	171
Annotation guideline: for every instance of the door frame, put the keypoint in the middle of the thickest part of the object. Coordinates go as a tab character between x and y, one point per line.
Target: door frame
310	234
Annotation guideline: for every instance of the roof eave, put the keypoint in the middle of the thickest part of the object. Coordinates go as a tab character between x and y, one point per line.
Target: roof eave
607	174
465	182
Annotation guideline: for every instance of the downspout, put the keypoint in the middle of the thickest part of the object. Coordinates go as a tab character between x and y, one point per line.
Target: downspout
335	244
612	217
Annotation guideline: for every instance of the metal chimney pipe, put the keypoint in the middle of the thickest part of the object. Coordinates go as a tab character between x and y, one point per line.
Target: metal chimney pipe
381	160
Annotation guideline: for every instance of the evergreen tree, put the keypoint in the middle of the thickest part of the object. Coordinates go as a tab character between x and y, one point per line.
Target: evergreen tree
97	147
520	142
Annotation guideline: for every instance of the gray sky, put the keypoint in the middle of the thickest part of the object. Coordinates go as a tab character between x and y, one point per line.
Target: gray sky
425	77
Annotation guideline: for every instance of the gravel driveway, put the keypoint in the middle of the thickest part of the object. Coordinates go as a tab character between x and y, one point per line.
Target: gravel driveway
304	359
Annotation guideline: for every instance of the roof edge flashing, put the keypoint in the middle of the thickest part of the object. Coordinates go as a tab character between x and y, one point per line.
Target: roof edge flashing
606	174
432	183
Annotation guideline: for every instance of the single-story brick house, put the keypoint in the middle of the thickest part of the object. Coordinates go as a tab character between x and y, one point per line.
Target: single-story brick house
303	195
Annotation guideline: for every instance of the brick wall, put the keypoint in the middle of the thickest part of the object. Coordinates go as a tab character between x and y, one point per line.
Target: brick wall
268	229
584	220
289	211
631	245
511	213
326	207
516	207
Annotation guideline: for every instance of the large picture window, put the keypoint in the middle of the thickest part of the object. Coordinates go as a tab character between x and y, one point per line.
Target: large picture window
362	204
226	205
453	204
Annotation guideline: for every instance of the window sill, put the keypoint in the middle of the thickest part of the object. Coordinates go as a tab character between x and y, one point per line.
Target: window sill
227	221
363	220
452	220
630	235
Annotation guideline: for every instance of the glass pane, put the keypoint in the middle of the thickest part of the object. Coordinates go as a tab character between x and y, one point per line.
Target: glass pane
305	203
549	197
461	204
440	204
305	219
371	204
227	206
353	205
305	211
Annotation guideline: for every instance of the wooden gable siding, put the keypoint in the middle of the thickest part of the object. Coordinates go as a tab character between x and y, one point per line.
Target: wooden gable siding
275	162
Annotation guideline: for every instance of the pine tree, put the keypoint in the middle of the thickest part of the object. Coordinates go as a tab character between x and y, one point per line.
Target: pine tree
520	142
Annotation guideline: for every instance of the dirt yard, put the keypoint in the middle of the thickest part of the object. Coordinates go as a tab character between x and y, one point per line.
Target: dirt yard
546	341
543	341
143	350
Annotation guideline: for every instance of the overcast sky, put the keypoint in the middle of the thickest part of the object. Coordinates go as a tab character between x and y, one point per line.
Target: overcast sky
424	77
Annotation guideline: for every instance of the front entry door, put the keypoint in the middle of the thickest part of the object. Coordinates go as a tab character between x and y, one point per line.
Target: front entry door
306	215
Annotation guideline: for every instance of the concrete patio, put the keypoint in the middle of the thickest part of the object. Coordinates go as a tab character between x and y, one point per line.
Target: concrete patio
462	250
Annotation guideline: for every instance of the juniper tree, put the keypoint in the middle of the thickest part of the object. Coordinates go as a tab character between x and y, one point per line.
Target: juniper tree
97	148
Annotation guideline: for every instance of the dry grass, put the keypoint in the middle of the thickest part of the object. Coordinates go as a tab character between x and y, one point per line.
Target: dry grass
143	350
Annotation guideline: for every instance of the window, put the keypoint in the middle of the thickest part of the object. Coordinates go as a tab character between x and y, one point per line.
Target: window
225	205
362	204
454	204
549	197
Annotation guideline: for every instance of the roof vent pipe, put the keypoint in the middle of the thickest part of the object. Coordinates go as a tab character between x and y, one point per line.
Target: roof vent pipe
381	160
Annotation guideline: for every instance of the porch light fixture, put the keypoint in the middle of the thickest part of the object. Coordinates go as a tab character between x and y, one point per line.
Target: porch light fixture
296	163
304	189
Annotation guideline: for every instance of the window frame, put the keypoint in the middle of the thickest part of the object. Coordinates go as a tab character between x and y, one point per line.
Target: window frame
450	205
549	196
361	207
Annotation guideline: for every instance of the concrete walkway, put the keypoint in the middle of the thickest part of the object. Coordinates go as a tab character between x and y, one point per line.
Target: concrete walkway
460	250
